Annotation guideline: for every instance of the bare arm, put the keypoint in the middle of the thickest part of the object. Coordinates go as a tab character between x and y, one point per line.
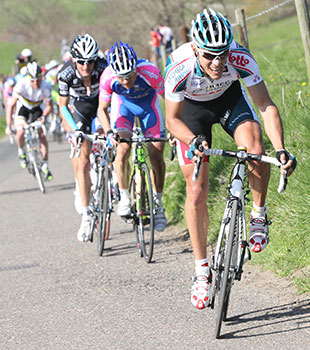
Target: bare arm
9	110
103	115
270	114
48	108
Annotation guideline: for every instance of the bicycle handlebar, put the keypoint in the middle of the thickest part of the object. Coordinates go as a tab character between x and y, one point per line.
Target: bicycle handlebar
242	155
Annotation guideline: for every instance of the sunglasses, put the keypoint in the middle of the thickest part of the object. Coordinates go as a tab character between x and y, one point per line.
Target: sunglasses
211	57
82	62
126	77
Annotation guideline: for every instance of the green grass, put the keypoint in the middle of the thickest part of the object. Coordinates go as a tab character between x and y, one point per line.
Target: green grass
284	71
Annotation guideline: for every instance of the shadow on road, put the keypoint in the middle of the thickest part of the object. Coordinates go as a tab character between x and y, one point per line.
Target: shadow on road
295	315
54	188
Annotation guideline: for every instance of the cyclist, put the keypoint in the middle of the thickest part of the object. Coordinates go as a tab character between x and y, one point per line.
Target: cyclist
132	87
28	94
78	82
202	88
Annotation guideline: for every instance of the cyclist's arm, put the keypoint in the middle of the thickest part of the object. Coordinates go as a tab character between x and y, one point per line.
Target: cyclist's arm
9	110
271	117
174	123
63	108
48	108
103	114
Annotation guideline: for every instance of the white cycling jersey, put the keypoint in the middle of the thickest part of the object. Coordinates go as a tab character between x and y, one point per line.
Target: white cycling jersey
183	77
29	97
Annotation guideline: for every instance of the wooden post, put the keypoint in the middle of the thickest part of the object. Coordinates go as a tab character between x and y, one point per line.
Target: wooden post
240	18
304	25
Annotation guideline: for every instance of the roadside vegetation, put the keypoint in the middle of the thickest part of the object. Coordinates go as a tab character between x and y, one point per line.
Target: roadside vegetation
277	47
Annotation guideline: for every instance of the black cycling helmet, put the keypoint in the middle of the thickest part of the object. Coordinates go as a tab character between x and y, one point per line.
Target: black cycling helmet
84	48
34	71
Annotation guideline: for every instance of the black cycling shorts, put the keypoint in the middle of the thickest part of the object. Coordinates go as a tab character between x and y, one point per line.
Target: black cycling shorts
83	112
230	109
30	115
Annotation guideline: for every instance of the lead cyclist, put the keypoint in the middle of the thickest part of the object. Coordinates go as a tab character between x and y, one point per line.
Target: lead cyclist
202	88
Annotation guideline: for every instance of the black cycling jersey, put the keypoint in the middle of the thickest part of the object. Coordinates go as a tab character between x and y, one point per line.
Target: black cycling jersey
71	83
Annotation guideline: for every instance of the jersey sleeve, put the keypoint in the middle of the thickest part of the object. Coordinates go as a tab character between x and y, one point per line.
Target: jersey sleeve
105	86
64	78
176	75
245	64
151	74
47	92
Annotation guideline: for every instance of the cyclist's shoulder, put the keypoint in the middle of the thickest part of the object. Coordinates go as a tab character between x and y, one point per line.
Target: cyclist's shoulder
67	71
180	64
148	69
101	64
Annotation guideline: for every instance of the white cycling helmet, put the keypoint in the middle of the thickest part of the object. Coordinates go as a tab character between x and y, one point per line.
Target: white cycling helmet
34	70
211	31
122	59
84	48
26	53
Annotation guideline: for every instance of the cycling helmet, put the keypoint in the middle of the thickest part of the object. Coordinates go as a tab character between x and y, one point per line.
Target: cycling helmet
122	59
84	47
26	53
211	31
34	71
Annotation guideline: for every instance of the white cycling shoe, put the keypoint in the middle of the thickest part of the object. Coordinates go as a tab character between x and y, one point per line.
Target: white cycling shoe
201	291
124	207
83	234
258	234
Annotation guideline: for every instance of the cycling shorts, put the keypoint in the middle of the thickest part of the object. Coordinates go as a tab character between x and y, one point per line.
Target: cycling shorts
25	115
123	112
83	113
230	109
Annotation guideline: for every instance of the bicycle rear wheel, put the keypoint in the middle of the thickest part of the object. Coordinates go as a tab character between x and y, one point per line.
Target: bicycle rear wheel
146	215
226	268
104	210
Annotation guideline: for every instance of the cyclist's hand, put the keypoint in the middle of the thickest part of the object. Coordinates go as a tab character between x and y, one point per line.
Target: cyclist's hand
288	160
196	147
112	138
171	139
8	130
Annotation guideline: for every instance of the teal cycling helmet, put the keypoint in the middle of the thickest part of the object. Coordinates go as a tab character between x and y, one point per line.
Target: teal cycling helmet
211	31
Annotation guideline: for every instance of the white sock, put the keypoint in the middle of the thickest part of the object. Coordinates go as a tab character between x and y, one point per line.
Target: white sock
85	211
258	211
20	151
202	267
158	198
124	193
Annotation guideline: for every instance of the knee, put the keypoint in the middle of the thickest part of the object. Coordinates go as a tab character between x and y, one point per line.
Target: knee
83	164
196	196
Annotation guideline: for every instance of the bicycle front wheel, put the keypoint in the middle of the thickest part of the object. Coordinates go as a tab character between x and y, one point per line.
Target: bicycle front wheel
146	214
226	267
104	210
38	172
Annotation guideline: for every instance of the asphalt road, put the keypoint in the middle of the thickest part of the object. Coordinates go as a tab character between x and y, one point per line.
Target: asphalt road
56	293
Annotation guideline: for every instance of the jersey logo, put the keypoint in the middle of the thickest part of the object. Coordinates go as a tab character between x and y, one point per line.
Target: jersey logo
239	60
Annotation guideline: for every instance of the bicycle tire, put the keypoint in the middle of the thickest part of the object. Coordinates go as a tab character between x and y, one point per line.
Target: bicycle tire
133	199
38	172
225	280
104	210
146	215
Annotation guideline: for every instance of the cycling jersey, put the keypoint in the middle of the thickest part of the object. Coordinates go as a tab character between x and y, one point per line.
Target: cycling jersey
183	76
141	100
71	82
29	97
83	104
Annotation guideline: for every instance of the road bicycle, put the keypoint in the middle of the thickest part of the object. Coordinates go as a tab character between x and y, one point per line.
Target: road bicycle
232	249
141	194
103	191
33	154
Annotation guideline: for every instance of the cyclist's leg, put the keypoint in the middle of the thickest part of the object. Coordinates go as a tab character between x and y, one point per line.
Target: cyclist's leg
122	122
244	126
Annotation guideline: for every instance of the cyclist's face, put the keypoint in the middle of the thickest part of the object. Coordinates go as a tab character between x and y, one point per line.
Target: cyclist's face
211	64
129	81
85	69
35	83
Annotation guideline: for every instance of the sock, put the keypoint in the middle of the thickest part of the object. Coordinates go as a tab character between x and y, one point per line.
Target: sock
44	164
124	193
85	211
258	211
158	198
20	151
202	267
